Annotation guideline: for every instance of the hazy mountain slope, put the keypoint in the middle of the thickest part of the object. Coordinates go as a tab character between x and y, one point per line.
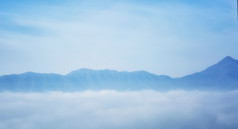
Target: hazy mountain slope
32	82
111	79
83	79
224	75
221	76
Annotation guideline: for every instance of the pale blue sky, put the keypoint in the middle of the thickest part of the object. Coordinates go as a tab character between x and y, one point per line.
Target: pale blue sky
172	37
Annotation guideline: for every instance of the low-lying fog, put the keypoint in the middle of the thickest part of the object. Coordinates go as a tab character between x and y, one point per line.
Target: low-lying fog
119	110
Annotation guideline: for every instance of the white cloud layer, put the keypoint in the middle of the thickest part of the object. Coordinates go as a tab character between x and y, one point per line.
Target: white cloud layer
119	110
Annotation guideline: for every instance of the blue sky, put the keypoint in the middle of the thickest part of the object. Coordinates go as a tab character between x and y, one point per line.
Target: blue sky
173	37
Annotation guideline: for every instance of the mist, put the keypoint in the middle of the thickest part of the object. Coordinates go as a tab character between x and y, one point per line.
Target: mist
109	109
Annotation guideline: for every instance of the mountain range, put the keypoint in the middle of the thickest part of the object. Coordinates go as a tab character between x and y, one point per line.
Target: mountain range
221	76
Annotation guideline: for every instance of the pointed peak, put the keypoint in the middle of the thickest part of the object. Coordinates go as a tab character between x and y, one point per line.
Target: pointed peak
228	59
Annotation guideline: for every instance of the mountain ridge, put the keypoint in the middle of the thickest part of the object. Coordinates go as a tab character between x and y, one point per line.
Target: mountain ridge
222	75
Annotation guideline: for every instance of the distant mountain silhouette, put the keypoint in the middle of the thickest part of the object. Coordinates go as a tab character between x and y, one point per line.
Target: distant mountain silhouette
221	76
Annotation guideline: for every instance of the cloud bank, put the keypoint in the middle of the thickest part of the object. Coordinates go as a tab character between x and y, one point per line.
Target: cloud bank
119	110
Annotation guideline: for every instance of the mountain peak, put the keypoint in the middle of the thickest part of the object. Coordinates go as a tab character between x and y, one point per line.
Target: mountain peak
228	58
82	70
90	71
227	67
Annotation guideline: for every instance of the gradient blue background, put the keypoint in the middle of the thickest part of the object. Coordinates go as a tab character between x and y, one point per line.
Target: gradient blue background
173	37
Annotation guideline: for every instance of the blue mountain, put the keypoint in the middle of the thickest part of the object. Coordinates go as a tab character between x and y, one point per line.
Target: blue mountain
221	76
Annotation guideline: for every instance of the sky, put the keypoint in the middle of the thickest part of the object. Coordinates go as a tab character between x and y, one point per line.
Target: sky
170	37
119	110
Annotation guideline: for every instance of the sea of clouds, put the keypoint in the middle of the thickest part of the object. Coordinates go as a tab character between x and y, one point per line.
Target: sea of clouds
108	109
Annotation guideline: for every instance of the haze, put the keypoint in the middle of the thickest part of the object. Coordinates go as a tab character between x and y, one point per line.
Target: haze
169	37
